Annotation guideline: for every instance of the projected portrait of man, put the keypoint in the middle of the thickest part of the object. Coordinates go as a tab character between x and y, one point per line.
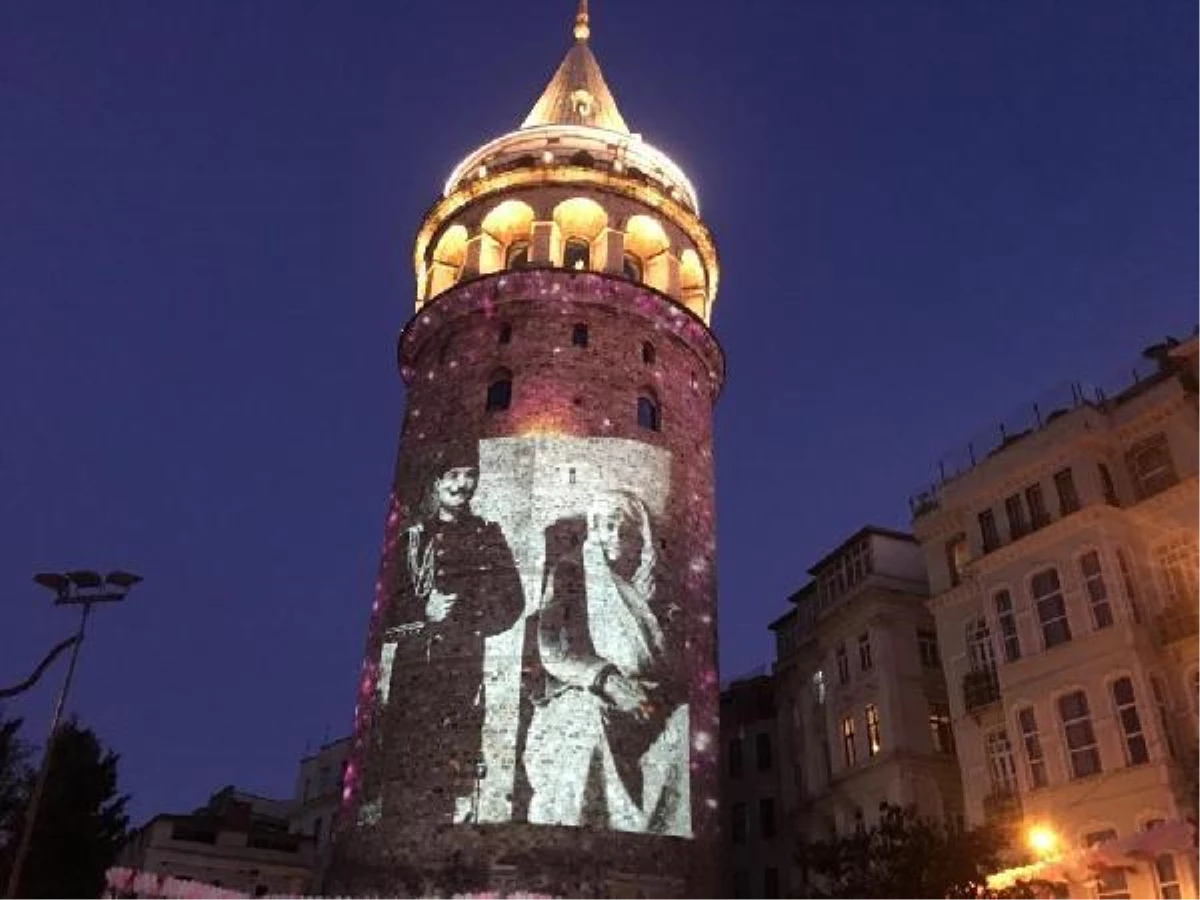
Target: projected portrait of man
608	741
456	585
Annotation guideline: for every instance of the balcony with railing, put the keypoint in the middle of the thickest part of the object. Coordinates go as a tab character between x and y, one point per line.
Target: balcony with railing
980	688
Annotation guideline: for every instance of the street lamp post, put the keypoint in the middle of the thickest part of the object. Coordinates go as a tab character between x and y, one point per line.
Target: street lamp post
79	588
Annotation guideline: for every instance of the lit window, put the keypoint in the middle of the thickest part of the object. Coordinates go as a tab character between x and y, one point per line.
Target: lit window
1001	769
648	414
1051	608
1081	738
1111	883
577	254
874	741
940	729
849	750
1167	877
499	393
1007	619
1136	751
956	557
517	256
1035	757
818	687
1068	497
1093	581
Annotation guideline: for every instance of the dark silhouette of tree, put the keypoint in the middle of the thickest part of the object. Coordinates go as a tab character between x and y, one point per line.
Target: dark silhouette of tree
905	856
81	823
15	777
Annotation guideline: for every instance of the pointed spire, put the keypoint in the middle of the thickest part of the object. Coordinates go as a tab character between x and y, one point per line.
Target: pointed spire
582	30
577	93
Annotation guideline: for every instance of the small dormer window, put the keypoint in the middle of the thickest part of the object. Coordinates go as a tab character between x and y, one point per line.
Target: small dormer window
518	255
577	254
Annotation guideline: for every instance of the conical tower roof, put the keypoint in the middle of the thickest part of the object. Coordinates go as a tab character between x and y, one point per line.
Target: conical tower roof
577	93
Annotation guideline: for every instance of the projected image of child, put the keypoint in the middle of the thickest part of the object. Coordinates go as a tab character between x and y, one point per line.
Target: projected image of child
608	742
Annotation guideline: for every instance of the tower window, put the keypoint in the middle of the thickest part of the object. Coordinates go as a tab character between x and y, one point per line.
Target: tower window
577	254
631	267
505	336
648	353
517	256
648	413
579	335
499	392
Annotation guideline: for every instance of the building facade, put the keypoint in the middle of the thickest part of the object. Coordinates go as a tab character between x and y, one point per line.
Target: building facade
754	848
538	703
863	711
318	796
1063	566
236	842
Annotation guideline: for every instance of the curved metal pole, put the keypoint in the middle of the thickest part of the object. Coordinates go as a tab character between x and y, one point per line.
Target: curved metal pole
35	799
22	686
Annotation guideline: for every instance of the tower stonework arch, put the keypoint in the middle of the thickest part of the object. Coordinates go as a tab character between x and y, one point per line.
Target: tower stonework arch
537	706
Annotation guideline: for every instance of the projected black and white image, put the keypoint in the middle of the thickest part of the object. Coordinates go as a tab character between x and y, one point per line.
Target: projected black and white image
529	668
455	585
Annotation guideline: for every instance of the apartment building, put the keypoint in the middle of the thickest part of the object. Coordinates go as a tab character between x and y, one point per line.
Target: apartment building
1062	560
864	716
756	852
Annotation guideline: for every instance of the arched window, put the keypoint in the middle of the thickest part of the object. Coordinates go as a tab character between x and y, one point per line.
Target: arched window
505	336
648	353
579	335
648	414
577	254
631	266
517	256
499	392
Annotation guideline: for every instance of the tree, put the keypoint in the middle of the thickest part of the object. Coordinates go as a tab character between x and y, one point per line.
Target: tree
904	856
81	822
15	776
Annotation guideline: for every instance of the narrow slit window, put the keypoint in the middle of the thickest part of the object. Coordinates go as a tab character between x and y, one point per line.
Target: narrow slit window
648	414
648	353
499	393
579	335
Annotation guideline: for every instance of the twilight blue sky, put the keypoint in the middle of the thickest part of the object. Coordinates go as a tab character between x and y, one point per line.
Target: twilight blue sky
928	213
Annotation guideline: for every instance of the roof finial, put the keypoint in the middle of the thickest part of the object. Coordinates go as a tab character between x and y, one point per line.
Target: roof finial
581	22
